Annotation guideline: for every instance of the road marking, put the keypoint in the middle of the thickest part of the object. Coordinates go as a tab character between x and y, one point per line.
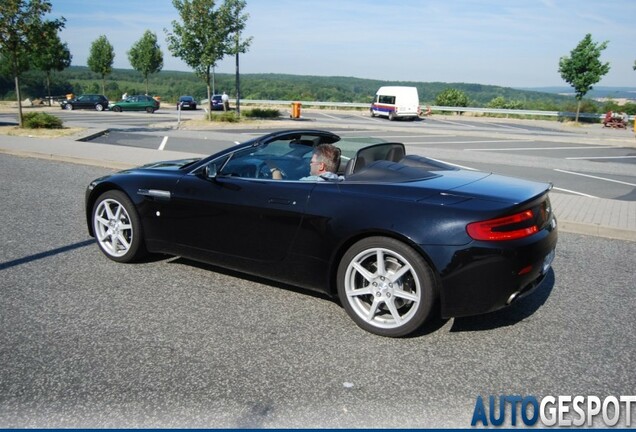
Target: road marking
466	142
603	157
595	177
574	192
456	123
163	143
538	148
330	116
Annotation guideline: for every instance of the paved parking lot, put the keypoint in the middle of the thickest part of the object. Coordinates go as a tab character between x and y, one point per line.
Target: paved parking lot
89	343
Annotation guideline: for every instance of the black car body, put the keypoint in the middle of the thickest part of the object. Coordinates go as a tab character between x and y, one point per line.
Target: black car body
187	103
88	101
399	236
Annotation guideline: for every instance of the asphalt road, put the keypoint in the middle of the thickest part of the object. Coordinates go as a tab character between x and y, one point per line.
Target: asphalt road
89	343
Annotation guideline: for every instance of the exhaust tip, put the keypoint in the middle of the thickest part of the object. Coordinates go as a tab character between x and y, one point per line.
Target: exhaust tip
512	297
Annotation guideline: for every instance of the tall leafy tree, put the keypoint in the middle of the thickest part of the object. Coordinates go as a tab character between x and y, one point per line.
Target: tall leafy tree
203	36
100	60
23	30
145	56
583	68
52	55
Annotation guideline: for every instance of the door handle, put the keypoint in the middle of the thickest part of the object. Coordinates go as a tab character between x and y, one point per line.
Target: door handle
281	201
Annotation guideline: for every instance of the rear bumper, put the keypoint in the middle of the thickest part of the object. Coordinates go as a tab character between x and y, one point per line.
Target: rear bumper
483	277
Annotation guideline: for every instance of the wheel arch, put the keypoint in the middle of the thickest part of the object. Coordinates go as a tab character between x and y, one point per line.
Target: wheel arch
97	191
344	246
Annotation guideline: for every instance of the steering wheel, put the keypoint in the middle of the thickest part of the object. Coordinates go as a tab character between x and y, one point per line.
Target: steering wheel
270	170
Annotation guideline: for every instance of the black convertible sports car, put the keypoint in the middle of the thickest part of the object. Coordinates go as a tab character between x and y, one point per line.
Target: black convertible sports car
396	239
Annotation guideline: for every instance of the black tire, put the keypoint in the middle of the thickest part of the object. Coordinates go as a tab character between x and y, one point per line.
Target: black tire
150	110
372	113
68	106
392	116
99	107
117	227
402	287
116	108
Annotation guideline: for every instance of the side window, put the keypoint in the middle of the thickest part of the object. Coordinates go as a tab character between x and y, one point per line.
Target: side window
387	99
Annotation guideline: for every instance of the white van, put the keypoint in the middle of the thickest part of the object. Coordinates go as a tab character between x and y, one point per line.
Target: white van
396	101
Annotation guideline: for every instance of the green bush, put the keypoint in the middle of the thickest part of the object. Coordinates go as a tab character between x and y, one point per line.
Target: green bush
41	120
261	113
226	117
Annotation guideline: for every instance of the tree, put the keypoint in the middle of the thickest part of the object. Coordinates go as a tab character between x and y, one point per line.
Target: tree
452	98
145	56
583	68
101	58
22	32
52	55
203	37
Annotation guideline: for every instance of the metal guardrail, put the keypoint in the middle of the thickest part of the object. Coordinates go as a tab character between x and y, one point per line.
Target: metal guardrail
565	114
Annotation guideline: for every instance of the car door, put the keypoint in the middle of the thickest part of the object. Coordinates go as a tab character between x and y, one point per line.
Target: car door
248	219
83	102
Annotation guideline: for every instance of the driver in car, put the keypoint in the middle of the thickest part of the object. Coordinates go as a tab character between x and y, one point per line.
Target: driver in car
324	164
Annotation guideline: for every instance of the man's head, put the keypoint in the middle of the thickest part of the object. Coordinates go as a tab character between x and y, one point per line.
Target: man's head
326	158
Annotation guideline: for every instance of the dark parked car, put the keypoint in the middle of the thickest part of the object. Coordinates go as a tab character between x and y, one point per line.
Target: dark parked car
88	101
187	102
136	103
217	103
398	239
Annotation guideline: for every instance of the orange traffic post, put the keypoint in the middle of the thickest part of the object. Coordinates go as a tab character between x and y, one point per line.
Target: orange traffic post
295	113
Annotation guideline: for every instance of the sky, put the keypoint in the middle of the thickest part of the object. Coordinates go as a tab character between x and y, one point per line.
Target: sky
510	43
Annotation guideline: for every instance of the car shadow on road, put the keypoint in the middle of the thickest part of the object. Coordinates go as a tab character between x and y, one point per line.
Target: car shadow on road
515	313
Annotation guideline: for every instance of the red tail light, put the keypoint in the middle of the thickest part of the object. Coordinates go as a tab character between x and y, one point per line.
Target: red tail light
516	226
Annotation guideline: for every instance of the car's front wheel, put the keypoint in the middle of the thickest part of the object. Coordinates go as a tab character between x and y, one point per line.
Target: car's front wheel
117	227
386	287
68	107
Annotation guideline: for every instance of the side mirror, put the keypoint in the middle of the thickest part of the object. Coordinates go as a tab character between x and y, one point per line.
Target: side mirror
210	171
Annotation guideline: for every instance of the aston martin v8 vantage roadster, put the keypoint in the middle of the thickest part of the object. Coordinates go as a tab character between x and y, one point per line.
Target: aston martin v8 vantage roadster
396	237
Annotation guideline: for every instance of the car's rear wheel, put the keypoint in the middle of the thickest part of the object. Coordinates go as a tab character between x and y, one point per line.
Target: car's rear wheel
392	116
68	106
99	107
150	110
386	287
116	108
117	227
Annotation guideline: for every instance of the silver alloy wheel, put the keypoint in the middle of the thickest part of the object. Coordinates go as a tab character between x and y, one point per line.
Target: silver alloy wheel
68	106
382	288
113	228
99	107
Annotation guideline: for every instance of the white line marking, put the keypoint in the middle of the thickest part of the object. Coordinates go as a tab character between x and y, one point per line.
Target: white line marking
163	143
330	116
574	192
536	148
603	157
595	177
467	142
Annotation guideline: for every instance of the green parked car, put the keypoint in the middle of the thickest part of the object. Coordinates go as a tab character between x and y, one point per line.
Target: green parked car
136	103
